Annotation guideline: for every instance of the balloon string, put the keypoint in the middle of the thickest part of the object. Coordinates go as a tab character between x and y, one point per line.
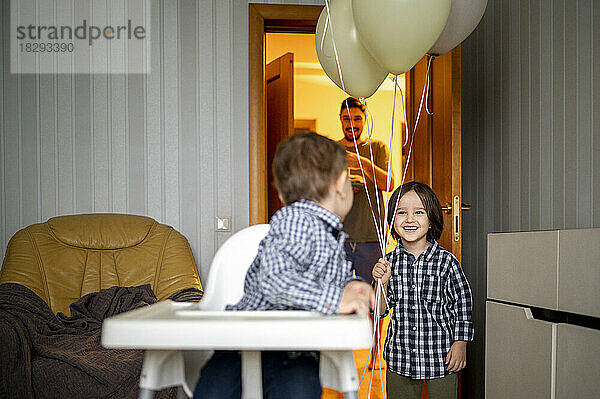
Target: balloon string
406	128
380	237
425	87
375	351
428	88
372	158
325	31
369	115
372	348
390	161
337	59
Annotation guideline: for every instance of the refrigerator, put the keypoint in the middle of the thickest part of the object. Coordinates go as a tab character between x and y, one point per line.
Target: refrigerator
543	315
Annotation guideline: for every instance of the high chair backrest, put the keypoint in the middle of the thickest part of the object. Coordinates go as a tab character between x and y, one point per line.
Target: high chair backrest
228	269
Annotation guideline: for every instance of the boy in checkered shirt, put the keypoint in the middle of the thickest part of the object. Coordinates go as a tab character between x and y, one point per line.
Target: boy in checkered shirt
431	323
300	265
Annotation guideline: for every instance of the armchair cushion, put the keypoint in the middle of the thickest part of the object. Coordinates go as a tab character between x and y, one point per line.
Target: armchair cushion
68	257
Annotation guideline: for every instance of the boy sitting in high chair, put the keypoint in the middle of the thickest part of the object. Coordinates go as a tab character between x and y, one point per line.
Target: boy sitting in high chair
301	265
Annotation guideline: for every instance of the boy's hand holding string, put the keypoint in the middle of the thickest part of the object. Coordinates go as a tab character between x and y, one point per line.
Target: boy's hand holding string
382	270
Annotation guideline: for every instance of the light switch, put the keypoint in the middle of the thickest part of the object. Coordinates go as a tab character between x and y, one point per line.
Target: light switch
223	223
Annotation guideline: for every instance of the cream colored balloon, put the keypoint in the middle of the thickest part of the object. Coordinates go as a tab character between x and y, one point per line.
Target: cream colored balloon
361	74
463	19
398	33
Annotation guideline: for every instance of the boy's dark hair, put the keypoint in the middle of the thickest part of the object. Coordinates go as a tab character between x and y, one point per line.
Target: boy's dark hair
305	166
351	102
430	202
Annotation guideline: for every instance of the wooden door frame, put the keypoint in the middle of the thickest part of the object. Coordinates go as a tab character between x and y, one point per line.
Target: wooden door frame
445	76
263	18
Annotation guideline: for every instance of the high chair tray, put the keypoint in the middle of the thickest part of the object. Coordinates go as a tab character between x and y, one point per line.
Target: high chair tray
180	325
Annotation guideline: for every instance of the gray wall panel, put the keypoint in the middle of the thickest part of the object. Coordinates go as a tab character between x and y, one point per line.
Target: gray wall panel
240	142
48	150
188	87
595	85
523	106
83	136
514	85
170	130
547	100
535	129
583	111
558	112
29	156
553	54
205	120
154	119
100	142
64	142
504	114
138	136
224	111
118	144
571	91
11	207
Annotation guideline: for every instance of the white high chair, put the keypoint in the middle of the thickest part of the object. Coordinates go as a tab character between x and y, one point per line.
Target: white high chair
225	286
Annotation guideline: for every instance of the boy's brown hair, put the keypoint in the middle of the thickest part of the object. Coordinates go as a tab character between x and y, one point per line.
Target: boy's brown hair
430	202
305	166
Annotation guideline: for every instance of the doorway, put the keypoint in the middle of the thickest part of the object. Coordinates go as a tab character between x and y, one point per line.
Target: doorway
436	154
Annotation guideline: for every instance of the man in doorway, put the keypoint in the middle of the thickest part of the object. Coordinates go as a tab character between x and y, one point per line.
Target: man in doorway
362	245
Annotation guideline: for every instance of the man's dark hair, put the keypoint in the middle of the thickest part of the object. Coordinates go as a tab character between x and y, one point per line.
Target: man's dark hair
430	202
305	166
351	102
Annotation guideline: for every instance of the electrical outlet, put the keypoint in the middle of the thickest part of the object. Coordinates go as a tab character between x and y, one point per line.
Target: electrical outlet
223	223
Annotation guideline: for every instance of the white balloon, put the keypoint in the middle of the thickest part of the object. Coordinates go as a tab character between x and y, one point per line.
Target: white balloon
463	19
361	74
398	33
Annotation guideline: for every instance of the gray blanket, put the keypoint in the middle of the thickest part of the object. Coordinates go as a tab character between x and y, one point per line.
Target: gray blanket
43	355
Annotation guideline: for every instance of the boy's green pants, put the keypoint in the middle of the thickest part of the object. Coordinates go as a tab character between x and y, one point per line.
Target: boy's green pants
401	387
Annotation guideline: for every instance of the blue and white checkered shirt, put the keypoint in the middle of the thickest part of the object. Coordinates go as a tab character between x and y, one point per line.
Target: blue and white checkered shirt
301	263
432	308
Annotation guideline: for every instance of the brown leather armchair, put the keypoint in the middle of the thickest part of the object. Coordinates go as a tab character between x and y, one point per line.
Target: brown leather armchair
70	256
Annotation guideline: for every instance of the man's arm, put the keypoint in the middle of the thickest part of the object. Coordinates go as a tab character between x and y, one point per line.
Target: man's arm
372	171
